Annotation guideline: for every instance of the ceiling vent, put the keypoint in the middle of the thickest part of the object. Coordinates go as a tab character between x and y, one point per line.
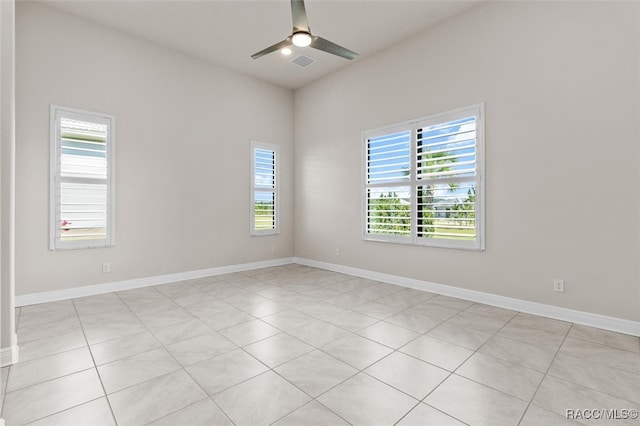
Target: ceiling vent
303	61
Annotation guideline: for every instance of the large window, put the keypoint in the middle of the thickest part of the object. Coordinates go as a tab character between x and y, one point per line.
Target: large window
424	181
82	179
264	189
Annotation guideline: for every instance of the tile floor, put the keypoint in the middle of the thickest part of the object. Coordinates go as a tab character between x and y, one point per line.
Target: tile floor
294	345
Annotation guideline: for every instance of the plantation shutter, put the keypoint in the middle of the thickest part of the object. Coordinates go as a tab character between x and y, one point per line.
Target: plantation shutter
82	144
264	181
446	179
423	181
388	189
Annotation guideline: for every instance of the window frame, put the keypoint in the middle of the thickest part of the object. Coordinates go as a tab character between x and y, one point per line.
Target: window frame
58	112
414	181
255	145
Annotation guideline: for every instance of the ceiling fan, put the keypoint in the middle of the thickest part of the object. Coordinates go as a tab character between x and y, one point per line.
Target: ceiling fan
302	37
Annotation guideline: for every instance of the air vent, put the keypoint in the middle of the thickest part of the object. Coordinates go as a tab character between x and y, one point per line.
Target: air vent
303	61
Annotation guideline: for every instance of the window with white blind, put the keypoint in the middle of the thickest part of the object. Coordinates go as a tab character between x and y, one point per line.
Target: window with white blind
424	181
82	179
264	189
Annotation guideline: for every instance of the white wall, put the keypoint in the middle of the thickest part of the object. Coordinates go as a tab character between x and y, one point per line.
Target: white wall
561	83
184	129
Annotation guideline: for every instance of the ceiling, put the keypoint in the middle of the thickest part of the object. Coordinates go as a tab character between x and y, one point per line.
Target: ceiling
227	33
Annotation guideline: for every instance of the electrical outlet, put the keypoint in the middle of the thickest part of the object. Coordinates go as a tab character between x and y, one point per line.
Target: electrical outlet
558	285
106	267
337	252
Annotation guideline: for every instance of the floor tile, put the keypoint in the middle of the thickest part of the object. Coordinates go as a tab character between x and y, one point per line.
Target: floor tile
424	415
558	395
199	348
157	307
260	400
148	401
287	320
113	331
227	319
604	355
28	373
402	299
542	323
316	372
123	347
529	356
357	351
94	413
437	313
532	336
175	333
504	376
613	381
99	303
262	309
413	321
476	404
278	349
477	322
461	336
347	300
43	331
318	309
41	400
221	372
166	317
494	312
388	334
106	317
451	302
318	333
363	400
312	414
130	371
437	352
536	416
408	374
377	310
210	308
33	318
202	413
350	320
605	337
52	345
249	332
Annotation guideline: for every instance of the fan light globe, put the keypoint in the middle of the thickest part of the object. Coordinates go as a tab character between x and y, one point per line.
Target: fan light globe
301	39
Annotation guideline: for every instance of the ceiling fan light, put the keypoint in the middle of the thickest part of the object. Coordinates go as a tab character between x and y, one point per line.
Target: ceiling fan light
301	39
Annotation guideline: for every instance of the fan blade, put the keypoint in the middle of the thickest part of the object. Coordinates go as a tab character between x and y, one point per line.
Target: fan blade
299	16
284	43
330	47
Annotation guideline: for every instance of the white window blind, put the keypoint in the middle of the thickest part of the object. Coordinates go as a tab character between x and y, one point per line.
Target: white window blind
82	153
264	193
423	181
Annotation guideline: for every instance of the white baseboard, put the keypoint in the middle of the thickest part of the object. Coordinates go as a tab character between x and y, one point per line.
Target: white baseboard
585	318
9	356
564	314
92	290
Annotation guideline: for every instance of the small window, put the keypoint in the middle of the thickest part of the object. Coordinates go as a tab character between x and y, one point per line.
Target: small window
82	190
264	189
423	182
